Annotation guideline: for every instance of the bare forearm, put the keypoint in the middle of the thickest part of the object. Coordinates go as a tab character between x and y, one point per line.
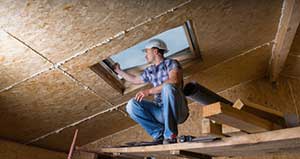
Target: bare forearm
129	77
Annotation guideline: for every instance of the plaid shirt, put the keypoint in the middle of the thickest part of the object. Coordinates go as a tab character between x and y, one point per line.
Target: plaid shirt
158	74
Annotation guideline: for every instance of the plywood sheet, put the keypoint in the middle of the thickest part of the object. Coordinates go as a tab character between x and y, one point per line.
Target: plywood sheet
295	48
91	130
251	65
17	62
228	28
292	66
43	104
59	29
294	87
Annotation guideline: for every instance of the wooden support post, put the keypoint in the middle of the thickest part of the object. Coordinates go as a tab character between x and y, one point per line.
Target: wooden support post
211	128
188	154
242	120
286	32
261	111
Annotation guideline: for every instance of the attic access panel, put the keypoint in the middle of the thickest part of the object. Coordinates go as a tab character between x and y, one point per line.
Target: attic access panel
181	43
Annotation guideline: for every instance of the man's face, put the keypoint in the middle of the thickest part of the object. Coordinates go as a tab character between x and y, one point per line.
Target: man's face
149	55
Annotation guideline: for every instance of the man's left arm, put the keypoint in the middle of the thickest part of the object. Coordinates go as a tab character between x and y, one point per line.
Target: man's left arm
175	77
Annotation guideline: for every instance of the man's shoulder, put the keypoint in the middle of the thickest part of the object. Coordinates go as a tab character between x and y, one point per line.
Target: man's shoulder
169	60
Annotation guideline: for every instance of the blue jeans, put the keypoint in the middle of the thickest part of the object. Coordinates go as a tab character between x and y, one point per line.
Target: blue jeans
160	121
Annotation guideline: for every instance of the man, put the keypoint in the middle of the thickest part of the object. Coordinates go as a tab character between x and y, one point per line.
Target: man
169	108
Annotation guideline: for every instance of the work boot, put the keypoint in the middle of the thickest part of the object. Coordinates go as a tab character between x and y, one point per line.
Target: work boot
157	141
171	140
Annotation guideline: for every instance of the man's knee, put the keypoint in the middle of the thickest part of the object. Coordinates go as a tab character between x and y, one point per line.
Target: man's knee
167	87
131	106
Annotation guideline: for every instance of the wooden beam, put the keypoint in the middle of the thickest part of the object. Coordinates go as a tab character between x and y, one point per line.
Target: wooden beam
211	128
240	119
261	111
289	22
246	145
231	131
189	154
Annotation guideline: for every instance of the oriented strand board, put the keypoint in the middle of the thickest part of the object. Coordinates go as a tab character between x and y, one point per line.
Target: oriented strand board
294	85
17	62
60	29
12	150
227	28
43	104
295	49
91	130
251	65
292	66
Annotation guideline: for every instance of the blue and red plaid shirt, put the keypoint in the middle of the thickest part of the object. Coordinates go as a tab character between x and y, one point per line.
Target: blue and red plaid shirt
158	74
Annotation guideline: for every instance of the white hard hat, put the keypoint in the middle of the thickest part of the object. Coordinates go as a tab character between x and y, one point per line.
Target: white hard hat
158	44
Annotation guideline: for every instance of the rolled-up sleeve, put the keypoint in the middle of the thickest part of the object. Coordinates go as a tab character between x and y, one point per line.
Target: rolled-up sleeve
173	64
144	76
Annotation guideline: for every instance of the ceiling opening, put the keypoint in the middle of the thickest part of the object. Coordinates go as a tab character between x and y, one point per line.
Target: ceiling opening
182	46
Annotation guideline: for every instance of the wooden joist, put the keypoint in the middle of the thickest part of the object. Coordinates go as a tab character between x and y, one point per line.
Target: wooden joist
287	28
211	128
245	145
260	111
240	119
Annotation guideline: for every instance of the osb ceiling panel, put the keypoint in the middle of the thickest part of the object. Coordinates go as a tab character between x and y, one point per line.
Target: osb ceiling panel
251	65
91	130
228	28
264	93
292	66
59	29
294	87
295	48
17	62
43	104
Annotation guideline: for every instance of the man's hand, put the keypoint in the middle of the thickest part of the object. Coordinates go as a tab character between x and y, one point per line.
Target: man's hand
141	94
117	68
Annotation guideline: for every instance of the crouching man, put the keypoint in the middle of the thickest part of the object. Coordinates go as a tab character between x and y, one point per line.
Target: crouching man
160	118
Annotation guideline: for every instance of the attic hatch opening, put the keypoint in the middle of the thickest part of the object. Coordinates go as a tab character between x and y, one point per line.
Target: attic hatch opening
182	45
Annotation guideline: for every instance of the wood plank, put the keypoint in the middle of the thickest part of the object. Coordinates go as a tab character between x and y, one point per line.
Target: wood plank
231	131
188	154
211	128
287	28
240	119
245	145
261	111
